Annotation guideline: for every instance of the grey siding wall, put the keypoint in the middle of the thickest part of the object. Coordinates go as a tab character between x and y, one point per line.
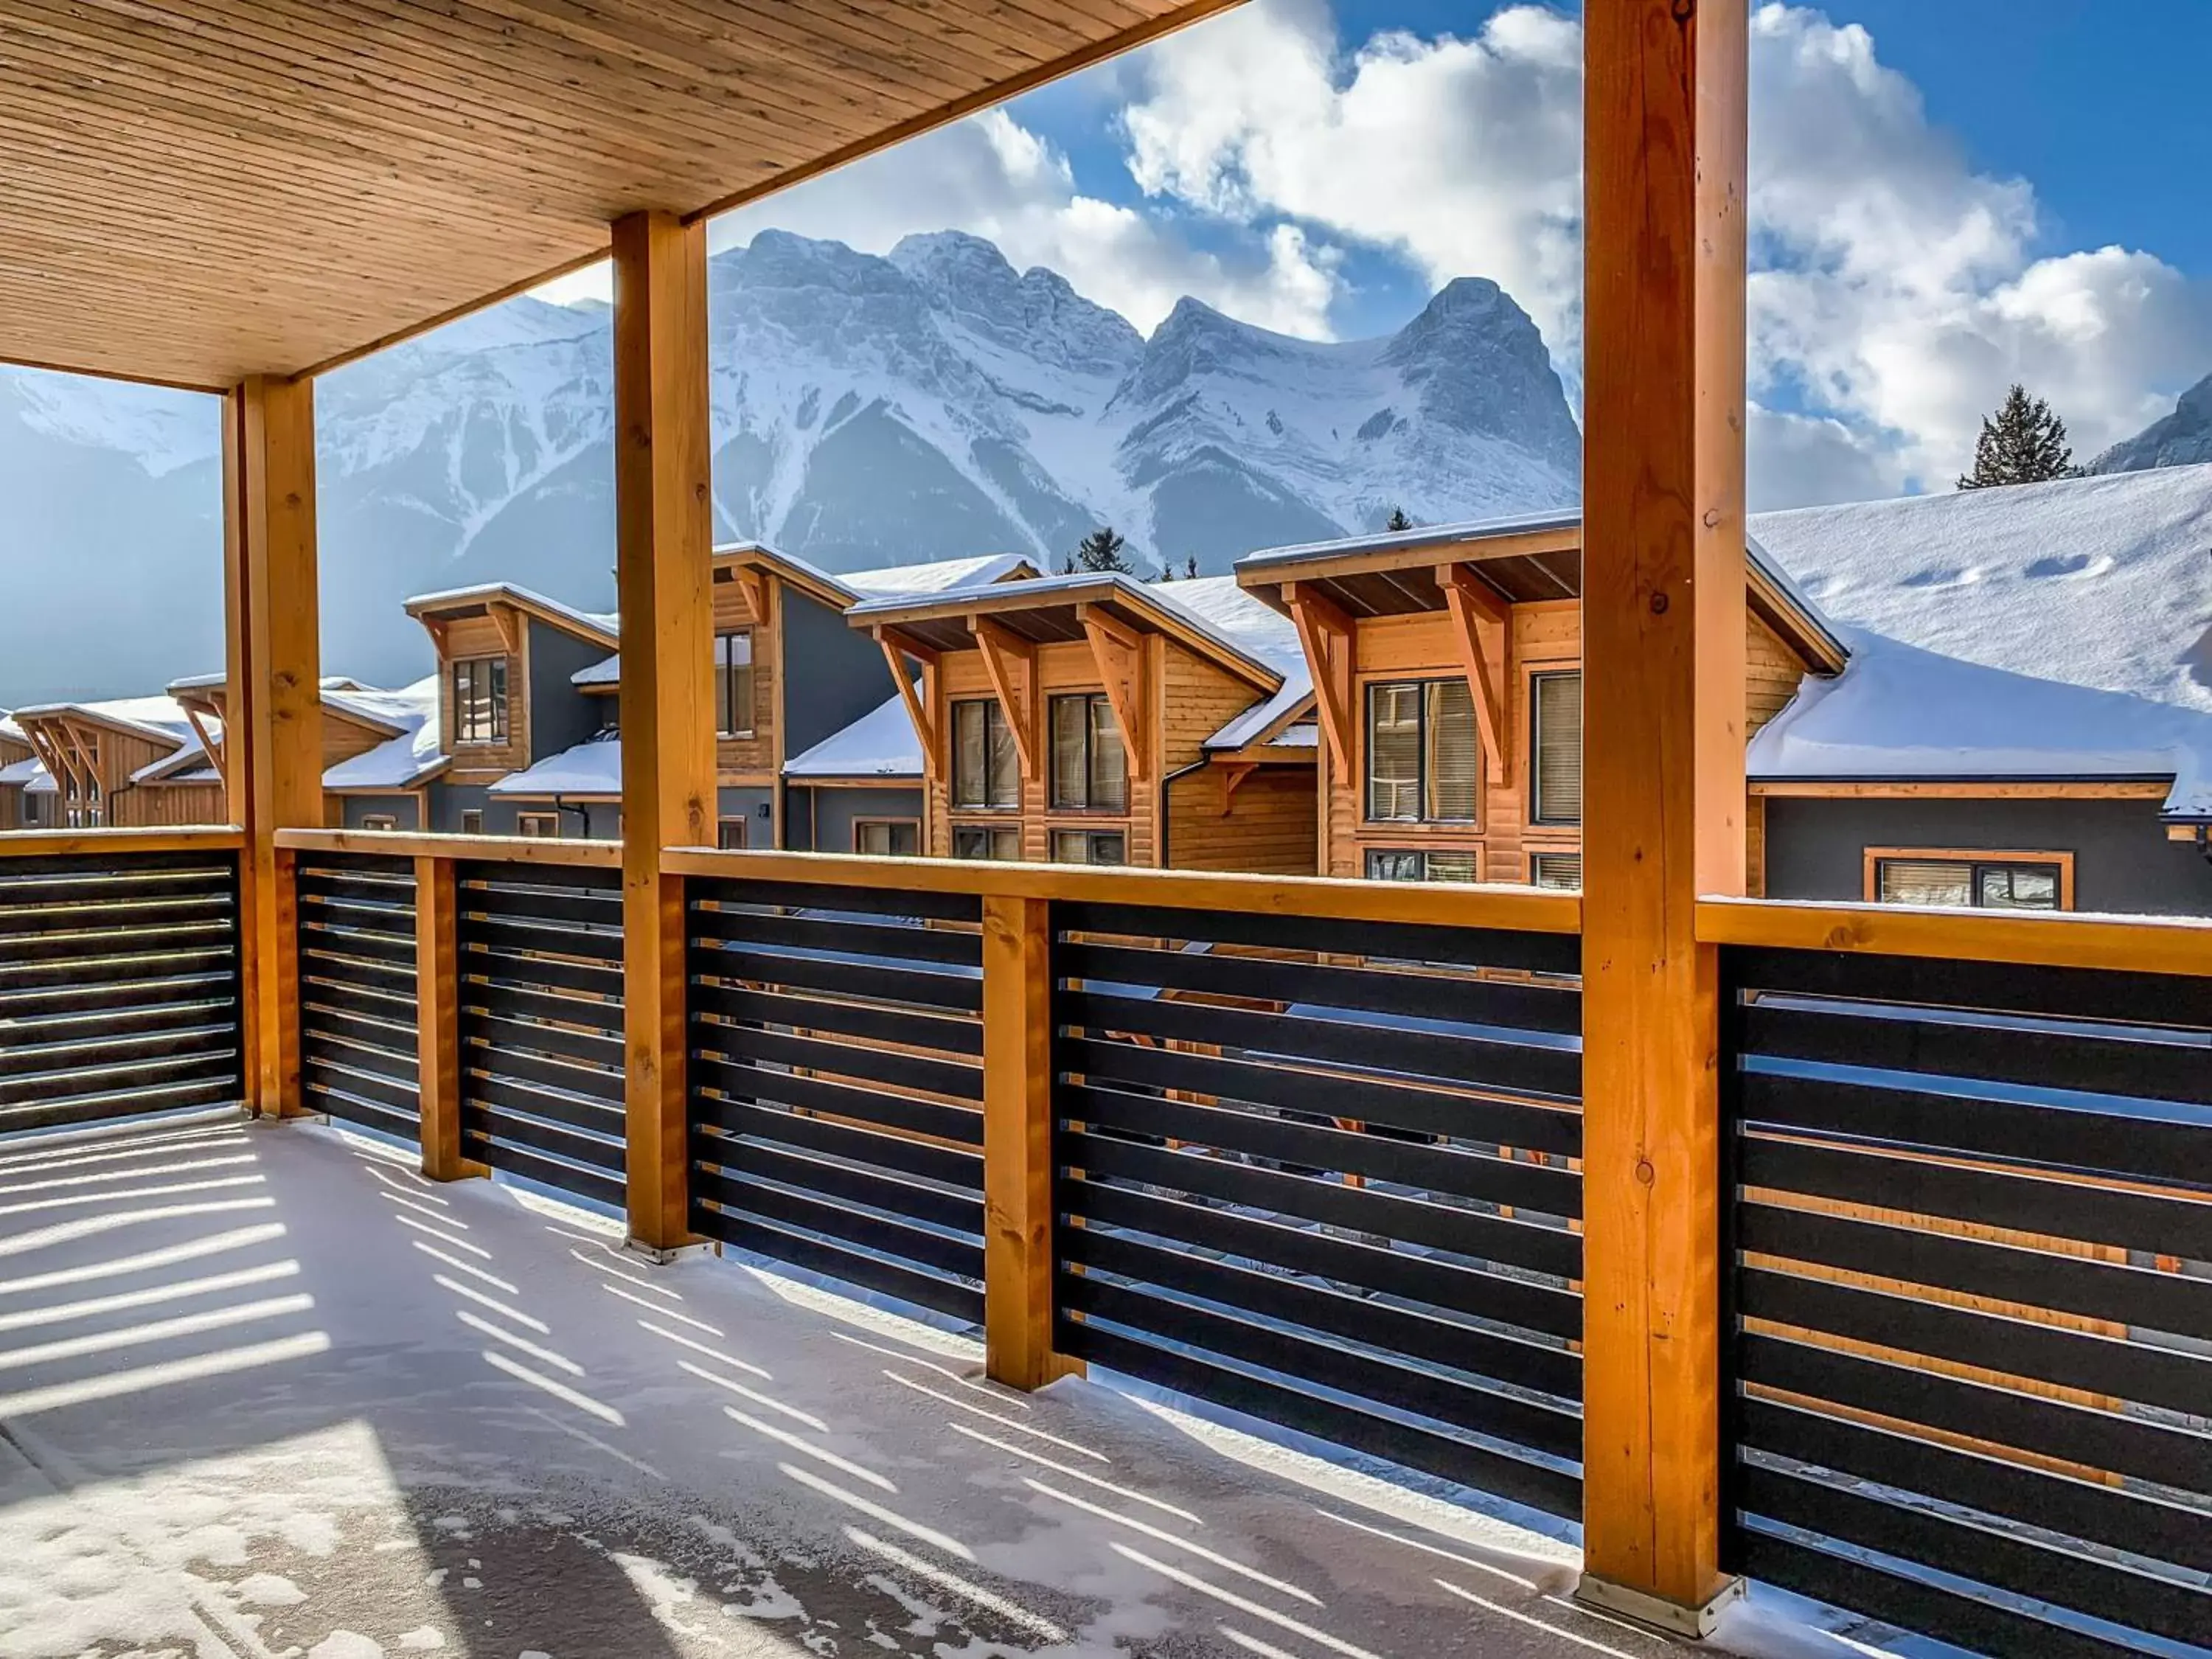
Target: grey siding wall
399	808
560	716
2123	862
833	674
836	809
757	807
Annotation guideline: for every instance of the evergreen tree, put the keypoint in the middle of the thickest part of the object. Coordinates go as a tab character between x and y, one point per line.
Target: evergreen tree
1398	520
1102	551
1190	569
2022	443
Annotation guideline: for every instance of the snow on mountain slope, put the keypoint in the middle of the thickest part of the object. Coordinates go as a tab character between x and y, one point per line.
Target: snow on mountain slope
2181	439
932	404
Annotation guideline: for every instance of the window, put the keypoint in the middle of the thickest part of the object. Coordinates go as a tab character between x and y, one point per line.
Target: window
379	821
472	821
480	700
1423	763
1981	880
1561	870
987	768
984	841
1090	769
1090	846
730	834
1404	864
887	838
542	826
733	684
1556	775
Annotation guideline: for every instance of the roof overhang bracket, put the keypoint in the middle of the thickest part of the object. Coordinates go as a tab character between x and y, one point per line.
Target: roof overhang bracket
1331	647
896	649
1005	652
1474	604
1118	651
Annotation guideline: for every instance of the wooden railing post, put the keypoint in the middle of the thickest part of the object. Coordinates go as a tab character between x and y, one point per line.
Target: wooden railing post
665	572
437	1019
1663	792
273	715
1018	1241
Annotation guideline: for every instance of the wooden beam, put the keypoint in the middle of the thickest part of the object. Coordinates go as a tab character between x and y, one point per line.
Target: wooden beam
752	586
274	700
209	743
437	1023
1470	604
664	580
508	621
1001	648
1327	638
917	707
1233	774
1663	599
1119	656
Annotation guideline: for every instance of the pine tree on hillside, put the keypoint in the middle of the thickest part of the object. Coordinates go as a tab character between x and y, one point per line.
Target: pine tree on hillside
1398	520
1190	569
1102	551
2022	443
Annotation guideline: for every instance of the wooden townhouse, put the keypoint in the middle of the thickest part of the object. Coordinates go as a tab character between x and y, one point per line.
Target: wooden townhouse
1096	719
379	747
21	805
123	763
1447	682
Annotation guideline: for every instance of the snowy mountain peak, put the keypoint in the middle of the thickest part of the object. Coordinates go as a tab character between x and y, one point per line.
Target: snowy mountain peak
2181	439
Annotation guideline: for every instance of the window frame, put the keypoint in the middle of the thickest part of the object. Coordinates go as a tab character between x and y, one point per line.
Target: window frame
1091	834
993	713
1973	859
522	820
1473	854
990	831
894	824
724	825
725	674
382	823
1538	855
502	728
1092	702
1423	684
475	813
1536	814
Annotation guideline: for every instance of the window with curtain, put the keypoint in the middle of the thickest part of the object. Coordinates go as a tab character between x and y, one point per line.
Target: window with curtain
1557	770
1424	758
480	700
1985	884
985	841
733	684
1089	768
987	768
1408	864
1089	846
887	838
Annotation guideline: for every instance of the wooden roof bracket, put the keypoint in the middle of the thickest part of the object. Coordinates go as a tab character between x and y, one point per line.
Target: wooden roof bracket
896	649
754	586
508	621
1326	637
1233	774
1119	653
1472	601
212	746
1002	648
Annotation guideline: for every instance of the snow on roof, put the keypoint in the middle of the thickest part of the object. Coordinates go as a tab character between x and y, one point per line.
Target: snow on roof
941	576
597	621
399	763
25	773
1262	631
1474	530
162	717
881	744
607	671
1899	712
2103	582
591	767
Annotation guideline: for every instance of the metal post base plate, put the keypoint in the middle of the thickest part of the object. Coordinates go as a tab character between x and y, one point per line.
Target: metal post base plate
1642	1607
661	1257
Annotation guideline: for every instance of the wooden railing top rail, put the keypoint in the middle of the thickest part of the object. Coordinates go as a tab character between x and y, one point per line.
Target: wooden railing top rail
2148	944
494	849
77	843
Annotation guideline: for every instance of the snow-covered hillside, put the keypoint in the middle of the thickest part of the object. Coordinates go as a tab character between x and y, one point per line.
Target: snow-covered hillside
2181	439
929	405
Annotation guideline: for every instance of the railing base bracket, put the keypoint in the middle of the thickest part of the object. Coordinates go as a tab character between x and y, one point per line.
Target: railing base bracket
660	1255
1655	1612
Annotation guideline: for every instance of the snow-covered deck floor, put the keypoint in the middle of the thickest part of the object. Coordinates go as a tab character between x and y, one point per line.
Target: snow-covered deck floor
266	1391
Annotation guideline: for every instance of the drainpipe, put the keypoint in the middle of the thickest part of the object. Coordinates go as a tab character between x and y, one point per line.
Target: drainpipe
2204	841
1166	784
583	814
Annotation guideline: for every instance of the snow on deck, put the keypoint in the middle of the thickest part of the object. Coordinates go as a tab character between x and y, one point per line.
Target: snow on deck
266	1390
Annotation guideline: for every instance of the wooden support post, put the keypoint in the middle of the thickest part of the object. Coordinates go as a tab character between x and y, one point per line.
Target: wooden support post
665	581
1017	1245
438	1020
273	729
1664	779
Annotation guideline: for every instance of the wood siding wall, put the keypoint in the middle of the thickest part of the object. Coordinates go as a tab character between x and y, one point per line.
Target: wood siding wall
1267	824
479	636
757	759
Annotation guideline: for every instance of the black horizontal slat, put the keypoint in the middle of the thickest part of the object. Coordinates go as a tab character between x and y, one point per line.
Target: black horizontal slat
167	910
842	937
356	1107
594	1184
1385	1157
2078	993
173	1096
361	1001
480	1020
2058	1209
553	937
1397	942
104	995
1964	1550
397	950
923	1289
518	872
122	943
918	983
910	1200
379	1031
392	915
2005	1272
1297	1089
209	1059
527	1002
2114	1142
880	1234
552	1073
1964	1620
1334	1313
1464	1232
383	1060
1346	1262
845	1059
509	1128
889	1151
598	1117
45	974
595	907
1456	1458
2126	1062
961	1125
79	887
388	979
1556	1072
18	1060
835	895
122	1022
479	961
2080	1509
358	866
1520	1004
2121	1444
325	1077
2017	1347
852	1020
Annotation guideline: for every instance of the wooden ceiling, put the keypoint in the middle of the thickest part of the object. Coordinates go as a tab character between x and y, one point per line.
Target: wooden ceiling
199	190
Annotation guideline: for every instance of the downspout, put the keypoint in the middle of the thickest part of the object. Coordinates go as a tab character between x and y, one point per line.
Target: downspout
1167	784
583	814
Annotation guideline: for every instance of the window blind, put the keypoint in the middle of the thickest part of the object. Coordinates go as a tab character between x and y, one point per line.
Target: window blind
1559	748
1394	750
1455	755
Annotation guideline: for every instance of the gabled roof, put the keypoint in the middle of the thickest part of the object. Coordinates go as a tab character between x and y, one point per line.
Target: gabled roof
409	757
596	627
161	718
881	744
842	588
590	771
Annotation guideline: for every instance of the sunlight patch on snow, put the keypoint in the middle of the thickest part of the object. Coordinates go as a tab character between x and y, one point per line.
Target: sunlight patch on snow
932	1573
